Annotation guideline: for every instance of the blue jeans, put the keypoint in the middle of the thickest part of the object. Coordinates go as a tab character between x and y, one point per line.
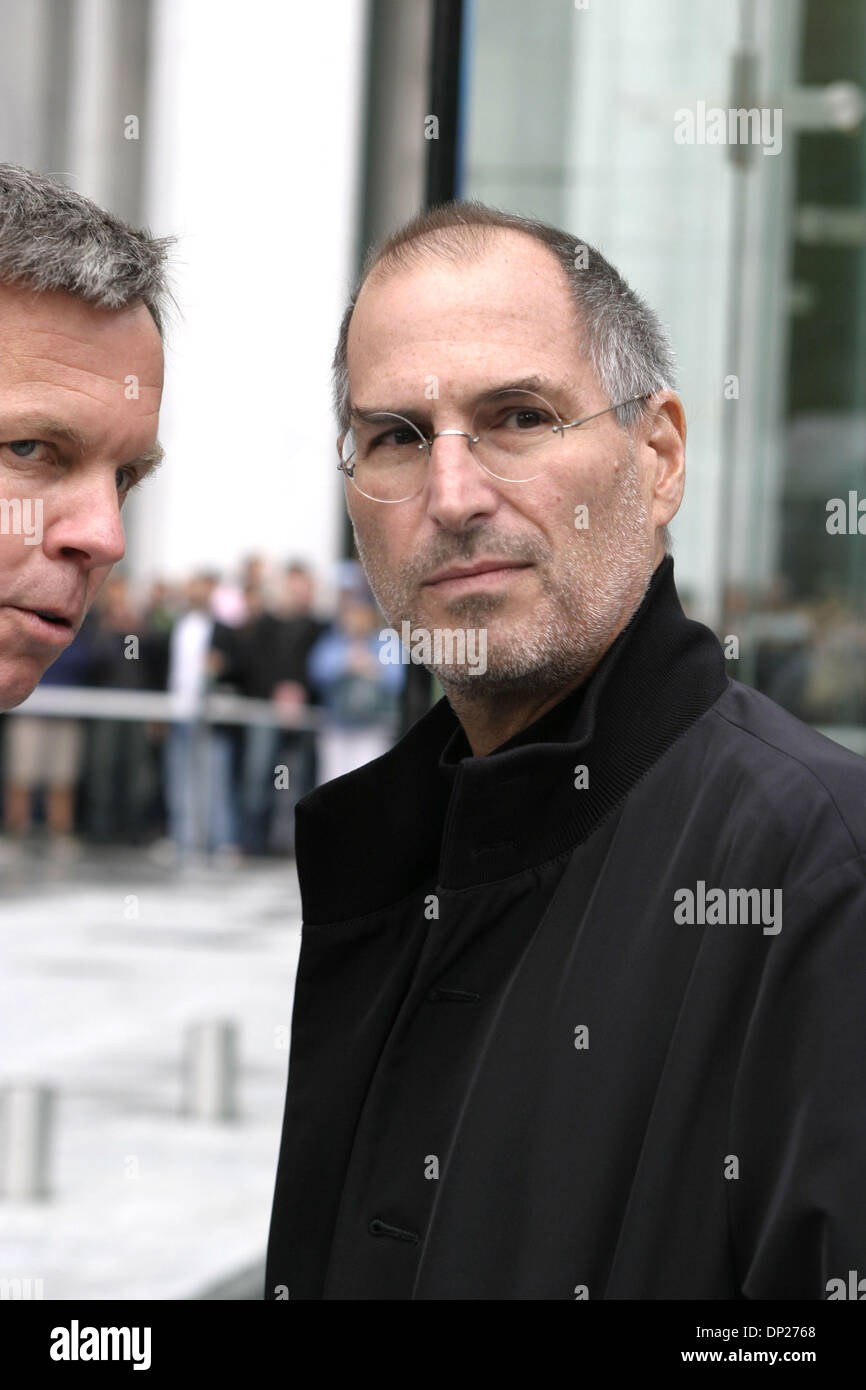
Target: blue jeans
199	788
265	809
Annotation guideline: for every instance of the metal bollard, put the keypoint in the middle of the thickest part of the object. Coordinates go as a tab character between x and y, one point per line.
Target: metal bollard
28	1115
210	1071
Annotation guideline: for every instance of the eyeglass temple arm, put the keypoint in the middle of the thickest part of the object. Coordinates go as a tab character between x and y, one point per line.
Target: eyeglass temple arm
571	423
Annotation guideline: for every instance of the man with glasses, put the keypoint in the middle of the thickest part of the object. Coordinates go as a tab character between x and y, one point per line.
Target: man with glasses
578	1004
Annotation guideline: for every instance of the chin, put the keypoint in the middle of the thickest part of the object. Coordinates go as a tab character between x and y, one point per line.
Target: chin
16	685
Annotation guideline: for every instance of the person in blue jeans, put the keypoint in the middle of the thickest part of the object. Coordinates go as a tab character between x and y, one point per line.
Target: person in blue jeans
358	690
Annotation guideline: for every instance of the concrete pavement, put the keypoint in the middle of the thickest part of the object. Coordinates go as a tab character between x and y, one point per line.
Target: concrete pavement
104	964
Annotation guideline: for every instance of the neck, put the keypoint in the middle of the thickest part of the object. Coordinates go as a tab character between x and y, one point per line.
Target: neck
490	723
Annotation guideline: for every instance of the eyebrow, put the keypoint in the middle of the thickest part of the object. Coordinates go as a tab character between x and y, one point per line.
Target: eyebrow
147	462
539	385
43	427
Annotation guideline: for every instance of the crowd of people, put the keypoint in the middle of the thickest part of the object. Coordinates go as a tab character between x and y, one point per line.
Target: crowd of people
188	786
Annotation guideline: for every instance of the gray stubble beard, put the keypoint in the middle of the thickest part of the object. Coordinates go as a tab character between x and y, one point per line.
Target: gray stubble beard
588	600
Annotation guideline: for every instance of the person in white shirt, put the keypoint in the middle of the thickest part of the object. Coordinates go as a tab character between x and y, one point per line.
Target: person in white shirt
198	774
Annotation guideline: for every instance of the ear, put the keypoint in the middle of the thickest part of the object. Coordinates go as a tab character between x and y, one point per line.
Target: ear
663	450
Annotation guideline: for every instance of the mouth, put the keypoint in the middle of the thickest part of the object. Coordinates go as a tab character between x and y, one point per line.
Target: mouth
486	574
48	624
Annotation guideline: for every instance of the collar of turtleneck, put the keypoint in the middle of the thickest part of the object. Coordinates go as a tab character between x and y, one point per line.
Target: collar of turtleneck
369	839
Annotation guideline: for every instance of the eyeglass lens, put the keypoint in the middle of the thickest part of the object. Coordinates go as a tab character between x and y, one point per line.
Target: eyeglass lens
512	434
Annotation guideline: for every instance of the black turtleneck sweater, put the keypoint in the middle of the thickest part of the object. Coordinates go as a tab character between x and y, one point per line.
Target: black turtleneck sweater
519	1068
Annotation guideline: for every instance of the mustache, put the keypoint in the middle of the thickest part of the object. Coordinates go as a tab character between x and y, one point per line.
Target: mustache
475	545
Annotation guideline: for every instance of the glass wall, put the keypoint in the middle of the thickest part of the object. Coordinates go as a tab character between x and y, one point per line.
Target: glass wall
715	154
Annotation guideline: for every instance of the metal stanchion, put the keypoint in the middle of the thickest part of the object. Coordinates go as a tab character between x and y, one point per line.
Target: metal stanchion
210	1071
28	1113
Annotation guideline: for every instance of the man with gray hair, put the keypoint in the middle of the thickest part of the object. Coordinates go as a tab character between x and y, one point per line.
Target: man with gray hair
82	304
579	1003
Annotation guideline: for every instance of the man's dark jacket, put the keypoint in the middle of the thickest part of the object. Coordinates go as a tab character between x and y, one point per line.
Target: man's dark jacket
519	1069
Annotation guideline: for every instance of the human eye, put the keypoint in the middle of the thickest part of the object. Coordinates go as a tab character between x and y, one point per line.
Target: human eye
25	449
525	418
127	479
396	437
515	416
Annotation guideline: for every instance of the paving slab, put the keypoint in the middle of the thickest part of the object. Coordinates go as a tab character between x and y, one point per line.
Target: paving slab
104	966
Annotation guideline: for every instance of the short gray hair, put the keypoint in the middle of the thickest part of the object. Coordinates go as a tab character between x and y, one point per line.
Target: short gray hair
52	238
623	338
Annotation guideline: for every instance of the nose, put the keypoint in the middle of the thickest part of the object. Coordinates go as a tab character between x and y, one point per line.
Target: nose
464	433
83	522
459	489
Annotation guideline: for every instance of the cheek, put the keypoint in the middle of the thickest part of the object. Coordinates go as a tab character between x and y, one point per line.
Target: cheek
375	537
20	483
95	581
549	506
13	552
587	492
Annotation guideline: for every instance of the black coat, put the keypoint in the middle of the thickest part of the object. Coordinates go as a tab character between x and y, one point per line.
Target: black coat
518	1069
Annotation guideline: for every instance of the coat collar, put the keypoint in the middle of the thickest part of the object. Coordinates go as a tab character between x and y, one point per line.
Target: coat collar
428	811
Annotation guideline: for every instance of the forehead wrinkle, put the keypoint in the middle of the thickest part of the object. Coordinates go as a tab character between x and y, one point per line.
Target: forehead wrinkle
417	319
81	370
23	353
538	383
31	330
76	391
398	344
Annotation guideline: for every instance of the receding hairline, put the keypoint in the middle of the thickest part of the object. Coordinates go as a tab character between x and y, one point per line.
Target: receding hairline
452	243
457	244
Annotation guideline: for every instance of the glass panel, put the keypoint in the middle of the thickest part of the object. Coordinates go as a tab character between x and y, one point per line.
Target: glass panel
748	234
